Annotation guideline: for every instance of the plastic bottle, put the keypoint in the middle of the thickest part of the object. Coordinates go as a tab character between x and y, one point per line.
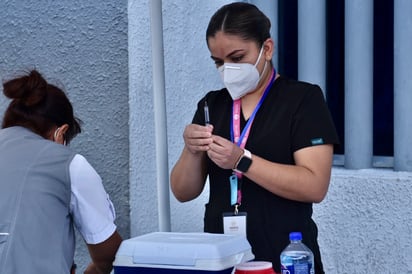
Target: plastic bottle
297	258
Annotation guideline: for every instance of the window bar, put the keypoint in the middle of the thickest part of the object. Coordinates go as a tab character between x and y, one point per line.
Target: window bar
312	42
402	85
358	84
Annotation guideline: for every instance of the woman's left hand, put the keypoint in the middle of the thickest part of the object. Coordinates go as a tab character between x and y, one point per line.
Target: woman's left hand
224	153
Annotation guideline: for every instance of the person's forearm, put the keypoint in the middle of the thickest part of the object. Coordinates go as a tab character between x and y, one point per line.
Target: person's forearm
91	269
307	181
103	255
188	175
104	268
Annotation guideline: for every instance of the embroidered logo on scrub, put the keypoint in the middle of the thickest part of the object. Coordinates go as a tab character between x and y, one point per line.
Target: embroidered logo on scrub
317	141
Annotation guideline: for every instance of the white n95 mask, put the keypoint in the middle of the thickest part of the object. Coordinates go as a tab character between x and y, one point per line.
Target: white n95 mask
240	78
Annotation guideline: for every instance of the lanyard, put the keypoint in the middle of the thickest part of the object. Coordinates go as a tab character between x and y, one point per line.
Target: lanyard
235	135
240	138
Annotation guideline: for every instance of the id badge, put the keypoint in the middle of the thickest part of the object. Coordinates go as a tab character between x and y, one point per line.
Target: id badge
234	224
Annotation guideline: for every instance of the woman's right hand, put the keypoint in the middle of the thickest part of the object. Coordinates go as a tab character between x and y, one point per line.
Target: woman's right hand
197	138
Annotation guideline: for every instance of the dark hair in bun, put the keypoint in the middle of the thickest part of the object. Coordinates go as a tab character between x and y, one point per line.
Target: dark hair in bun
241	19
38	105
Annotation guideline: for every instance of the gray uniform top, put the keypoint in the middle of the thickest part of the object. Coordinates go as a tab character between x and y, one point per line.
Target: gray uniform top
36	231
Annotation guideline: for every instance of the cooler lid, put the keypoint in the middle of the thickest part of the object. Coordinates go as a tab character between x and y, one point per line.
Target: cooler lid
183	249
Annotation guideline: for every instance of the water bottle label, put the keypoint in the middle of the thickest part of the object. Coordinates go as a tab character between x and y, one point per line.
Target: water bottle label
296	269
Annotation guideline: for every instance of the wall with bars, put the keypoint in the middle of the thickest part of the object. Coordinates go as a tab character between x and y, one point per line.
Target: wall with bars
364	221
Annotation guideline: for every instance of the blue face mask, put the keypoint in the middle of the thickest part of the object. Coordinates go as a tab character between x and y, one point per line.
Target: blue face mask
240	78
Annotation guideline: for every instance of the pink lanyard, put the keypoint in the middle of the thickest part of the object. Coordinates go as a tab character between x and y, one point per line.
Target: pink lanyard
241	138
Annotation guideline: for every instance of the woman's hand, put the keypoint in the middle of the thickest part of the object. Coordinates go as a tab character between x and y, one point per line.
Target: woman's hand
197	138
224	153
188	176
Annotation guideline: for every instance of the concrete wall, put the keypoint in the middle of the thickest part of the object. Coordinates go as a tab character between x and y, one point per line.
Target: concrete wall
83	46
365	222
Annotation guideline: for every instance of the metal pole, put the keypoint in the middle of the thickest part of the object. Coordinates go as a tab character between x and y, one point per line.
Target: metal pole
312	42
163	198
358	84
402	85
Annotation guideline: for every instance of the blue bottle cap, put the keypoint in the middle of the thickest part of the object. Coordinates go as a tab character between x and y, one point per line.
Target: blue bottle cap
295	236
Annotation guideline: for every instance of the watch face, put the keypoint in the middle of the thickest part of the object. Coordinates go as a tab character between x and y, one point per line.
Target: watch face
244	164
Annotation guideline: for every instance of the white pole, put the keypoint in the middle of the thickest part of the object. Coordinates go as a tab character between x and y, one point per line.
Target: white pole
163	198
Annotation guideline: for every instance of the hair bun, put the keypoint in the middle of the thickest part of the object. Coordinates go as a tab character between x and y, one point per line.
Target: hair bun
29	89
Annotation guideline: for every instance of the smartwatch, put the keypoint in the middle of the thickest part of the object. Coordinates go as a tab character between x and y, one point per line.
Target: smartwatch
244	162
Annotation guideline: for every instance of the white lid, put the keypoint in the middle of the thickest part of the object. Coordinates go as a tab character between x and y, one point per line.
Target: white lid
185	249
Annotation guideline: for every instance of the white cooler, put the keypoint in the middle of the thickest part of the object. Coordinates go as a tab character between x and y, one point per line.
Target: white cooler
177	253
